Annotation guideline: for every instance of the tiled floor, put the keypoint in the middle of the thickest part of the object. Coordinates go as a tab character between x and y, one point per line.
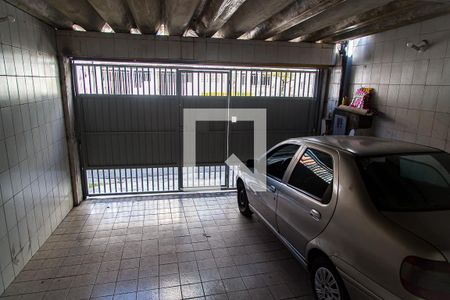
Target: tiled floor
161	248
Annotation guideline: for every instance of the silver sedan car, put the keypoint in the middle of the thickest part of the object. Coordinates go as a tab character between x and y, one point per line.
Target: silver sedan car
369	218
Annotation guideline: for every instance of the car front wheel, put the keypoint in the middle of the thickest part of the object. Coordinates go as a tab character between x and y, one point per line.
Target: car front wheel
327	284
242	200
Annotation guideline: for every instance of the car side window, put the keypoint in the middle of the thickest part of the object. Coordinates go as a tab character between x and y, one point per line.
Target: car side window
279	158
313	174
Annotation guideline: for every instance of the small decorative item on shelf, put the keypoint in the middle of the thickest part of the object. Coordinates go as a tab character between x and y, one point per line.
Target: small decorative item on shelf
345	101
361	99
358	115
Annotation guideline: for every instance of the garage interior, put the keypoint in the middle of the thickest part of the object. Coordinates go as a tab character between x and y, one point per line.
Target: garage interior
95	200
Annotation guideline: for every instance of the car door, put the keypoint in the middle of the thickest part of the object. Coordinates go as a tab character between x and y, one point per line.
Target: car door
307	199
277	162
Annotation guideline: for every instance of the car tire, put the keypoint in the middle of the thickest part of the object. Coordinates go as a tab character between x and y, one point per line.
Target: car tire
242	200
326	281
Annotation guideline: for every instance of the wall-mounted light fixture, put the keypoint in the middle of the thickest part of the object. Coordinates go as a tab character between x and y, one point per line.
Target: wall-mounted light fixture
7	19
420	47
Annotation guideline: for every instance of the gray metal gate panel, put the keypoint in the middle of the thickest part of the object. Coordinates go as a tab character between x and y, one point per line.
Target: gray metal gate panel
211	137
127	130
286	118
130	121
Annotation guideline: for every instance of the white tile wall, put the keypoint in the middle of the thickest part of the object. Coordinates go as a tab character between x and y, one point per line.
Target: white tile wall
34	177
412	89
333	87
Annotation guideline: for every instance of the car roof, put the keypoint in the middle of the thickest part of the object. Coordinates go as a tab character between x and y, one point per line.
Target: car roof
367	146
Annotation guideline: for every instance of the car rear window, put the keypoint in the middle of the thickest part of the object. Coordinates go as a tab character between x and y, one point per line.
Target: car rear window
408	182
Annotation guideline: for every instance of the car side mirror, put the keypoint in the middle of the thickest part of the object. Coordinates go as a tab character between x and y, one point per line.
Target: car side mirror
250	163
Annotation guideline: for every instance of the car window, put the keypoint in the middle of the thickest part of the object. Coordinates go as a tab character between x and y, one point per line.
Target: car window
408	182
313	174
279	158
425	169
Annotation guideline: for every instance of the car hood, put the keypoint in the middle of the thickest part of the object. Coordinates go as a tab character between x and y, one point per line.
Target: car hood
432	226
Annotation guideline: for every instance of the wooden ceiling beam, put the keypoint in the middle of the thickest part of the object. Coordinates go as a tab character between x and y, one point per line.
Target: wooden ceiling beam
329	17
214	15
195	18
116	13
419	12
80	12
357	21
146	14
178	15
42	10
250	14
297	12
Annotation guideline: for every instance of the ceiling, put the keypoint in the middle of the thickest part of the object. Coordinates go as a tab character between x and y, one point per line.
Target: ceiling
326	21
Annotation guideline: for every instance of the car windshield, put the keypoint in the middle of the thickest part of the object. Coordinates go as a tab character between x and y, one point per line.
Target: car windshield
408	182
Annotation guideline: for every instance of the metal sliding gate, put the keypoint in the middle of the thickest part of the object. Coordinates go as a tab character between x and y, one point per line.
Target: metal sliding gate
129	121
